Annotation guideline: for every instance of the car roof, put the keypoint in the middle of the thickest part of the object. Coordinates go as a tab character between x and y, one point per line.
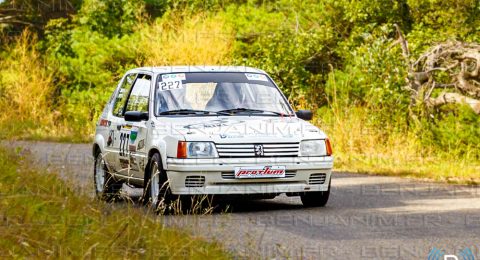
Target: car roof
196	68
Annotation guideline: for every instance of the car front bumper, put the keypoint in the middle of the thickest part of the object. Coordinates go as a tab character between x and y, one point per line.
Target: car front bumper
215	176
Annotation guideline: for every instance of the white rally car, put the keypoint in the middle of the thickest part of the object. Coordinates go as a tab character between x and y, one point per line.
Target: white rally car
208	130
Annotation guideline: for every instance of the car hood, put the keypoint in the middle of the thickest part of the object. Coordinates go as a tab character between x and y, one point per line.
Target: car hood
235	129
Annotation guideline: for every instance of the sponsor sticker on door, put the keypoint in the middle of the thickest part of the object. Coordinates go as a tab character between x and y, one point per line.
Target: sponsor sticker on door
259	172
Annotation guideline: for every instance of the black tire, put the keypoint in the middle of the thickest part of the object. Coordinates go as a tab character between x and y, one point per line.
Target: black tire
110	188
315	198
156	180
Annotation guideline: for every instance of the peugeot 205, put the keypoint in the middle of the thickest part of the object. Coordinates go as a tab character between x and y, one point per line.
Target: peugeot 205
208	130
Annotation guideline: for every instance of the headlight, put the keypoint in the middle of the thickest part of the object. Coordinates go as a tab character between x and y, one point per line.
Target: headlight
196	150
315	148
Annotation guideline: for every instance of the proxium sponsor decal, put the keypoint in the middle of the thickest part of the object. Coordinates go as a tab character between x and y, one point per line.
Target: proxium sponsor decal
260	172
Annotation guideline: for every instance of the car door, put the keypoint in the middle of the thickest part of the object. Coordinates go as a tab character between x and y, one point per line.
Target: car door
132	136
116	121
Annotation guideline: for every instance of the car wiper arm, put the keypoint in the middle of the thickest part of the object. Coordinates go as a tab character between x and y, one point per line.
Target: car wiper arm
252	111
187	112
277	113
240	109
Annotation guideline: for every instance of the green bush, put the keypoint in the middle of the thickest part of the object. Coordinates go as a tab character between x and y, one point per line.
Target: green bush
374	76
111	17
454	130
88	54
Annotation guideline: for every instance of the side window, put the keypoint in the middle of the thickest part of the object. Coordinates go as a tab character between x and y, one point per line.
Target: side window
123	95
138	100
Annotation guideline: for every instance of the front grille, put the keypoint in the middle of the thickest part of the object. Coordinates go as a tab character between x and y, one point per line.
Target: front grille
231	175
194	181
317	178
248	150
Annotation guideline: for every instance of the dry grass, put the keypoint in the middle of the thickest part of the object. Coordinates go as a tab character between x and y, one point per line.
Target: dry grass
27	94
25	85
43	217
361	147
198	40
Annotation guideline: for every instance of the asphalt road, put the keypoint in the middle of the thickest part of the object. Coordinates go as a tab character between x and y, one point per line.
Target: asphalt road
367	217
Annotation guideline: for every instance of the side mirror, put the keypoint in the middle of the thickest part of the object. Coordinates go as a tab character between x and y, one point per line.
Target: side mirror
304	114
135	116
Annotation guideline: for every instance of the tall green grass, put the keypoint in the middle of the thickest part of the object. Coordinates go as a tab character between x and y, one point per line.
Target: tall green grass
43	217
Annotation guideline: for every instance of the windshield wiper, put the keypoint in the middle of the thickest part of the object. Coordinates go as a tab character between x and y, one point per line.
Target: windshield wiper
251	111
188	112
239	110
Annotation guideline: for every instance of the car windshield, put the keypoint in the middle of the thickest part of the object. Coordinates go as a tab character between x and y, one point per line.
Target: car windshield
224	93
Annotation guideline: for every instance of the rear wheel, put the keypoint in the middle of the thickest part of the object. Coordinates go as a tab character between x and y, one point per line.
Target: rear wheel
315	198
106	187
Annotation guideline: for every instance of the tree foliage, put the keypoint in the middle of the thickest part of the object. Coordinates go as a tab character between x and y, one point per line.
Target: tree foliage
18	14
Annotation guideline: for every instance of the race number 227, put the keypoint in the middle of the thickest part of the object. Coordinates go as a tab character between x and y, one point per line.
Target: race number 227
169	85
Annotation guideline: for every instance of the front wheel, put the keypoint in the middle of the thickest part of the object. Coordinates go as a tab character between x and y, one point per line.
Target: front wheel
156	188
315	198
106	187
